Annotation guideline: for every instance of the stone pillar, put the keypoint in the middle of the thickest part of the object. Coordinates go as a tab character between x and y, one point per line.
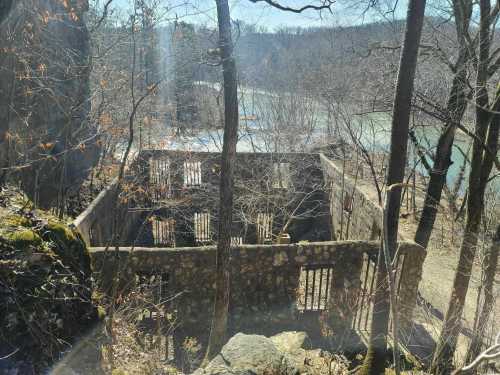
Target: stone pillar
411	274
345	288
284	239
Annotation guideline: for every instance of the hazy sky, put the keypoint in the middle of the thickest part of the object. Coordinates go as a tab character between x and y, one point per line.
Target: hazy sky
344	12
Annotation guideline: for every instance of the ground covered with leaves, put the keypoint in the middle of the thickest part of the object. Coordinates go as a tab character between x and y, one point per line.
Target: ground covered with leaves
45	287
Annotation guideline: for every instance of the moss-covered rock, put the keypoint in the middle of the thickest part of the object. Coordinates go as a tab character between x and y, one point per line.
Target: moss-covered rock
68	244
15	220
23	238
45	286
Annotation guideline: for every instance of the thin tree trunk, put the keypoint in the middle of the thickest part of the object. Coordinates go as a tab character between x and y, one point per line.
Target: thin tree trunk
116	230
445	348
5	8
377	351
480	170
457	103
491	261
437	176
221	305
486	131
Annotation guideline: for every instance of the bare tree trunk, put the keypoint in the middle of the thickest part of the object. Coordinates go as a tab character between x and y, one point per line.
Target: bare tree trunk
455	108
221	305
116	229
445	348
437	177
5	8
377	350
486	131
491	261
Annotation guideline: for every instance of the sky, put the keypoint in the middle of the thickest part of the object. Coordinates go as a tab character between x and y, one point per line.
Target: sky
346	12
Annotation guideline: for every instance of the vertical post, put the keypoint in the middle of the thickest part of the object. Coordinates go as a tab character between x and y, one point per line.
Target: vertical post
345	287
409	279
307	289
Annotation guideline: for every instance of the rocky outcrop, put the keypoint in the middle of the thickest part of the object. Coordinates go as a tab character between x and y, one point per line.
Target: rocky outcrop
45	289
283	354
45	133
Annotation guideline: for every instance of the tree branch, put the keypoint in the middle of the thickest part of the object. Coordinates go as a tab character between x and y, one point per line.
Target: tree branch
325	6
103	16
493	352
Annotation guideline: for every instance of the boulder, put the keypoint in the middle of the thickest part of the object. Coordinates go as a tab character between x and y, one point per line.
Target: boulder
249	354
290	342
282	354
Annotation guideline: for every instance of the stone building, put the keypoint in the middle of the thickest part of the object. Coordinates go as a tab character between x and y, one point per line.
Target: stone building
289	270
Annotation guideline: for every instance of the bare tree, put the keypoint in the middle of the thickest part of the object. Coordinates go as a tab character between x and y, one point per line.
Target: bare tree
455	108
47	150
375	359
483	312
485	133
221	304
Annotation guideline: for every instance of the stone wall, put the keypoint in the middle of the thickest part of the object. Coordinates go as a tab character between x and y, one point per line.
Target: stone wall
304	199
95	224
337	206
354	215
264	280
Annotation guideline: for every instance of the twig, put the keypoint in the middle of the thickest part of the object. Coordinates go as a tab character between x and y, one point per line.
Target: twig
104	15
493	352
9	355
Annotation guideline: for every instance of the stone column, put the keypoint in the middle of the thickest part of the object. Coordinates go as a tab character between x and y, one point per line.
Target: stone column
411	274
345	288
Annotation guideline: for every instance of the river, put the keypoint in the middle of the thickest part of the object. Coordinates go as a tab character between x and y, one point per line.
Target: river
284	122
